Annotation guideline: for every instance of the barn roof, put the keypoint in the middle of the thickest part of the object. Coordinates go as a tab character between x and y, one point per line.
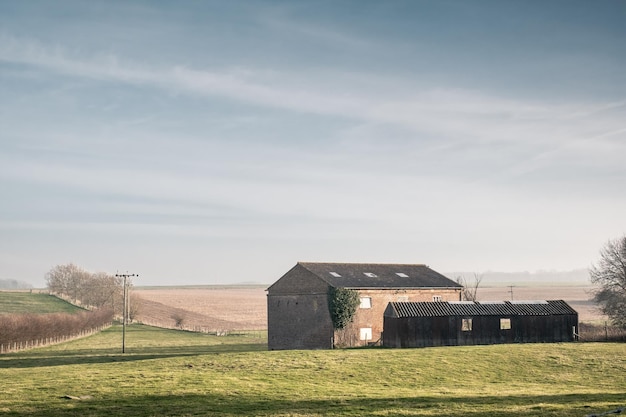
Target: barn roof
354	275
484	308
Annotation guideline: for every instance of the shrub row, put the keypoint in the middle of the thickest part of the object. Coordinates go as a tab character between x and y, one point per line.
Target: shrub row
21	331
601	333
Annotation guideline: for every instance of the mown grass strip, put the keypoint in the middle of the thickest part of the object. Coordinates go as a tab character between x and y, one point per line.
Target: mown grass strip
171	373
35	303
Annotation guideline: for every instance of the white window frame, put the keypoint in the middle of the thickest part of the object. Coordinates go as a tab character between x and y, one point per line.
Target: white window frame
365	333
505	323
466	324
437	298
366	302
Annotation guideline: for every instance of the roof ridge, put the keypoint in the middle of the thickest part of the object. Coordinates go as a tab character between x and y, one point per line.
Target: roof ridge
361	263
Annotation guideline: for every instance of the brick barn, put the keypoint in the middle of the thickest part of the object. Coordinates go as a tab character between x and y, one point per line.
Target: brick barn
418	324
297	304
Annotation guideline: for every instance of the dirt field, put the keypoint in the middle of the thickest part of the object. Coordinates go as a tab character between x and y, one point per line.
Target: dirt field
211	309
246	308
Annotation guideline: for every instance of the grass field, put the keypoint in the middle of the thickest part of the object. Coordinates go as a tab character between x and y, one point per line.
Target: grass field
26	302
172	373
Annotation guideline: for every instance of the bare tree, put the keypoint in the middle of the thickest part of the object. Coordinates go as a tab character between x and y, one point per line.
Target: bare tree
89	290
470	289
79	285
610	274
179	319
62	280
134	307
102	289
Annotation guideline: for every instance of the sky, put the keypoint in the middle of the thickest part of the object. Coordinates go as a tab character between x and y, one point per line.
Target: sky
213	142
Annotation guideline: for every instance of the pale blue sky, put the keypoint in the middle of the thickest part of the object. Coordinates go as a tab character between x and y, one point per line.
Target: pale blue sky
206	142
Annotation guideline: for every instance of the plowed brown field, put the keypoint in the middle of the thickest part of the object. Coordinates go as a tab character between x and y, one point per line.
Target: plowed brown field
228	309
207	309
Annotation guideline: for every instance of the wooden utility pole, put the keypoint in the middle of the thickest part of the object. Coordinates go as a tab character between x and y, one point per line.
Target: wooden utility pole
125	303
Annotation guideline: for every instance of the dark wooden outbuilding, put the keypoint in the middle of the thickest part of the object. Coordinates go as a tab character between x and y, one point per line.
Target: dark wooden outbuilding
422	324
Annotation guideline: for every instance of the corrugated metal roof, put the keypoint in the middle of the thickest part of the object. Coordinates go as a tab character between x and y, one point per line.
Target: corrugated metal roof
506	308
350	275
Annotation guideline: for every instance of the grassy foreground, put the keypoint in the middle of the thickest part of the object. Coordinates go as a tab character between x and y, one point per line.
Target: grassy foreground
170	373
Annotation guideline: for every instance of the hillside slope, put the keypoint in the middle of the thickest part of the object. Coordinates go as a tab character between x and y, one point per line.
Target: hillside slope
35	303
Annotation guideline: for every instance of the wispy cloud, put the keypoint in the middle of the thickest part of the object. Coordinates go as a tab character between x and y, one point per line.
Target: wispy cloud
434	111
457	127
279	130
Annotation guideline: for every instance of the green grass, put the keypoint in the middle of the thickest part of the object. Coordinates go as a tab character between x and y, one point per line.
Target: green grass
26	302
171	373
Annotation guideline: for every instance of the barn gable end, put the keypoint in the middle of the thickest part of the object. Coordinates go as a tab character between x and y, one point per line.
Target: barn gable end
297	312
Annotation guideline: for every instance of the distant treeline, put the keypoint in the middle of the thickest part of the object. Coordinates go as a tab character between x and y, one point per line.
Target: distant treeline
23	331
13	284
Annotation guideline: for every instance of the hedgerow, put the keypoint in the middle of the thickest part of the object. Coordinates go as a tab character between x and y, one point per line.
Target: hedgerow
21	331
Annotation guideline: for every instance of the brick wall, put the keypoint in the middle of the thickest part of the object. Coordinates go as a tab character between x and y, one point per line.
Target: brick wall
372	318
299	322
297	312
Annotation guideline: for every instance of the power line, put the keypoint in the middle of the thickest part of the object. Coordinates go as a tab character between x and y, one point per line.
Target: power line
125	307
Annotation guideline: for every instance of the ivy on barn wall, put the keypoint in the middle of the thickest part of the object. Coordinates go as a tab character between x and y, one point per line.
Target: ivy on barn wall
342	304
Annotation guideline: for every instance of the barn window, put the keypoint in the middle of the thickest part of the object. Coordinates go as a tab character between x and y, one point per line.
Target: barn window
335	274
366	302
365	333
370	274
466	325
402	275
505	324
436	298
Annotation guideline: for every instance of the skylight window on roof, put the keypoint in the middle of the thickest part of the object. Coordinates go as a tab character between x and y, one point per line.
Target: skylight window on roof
370	274
402	274
335	274
529	302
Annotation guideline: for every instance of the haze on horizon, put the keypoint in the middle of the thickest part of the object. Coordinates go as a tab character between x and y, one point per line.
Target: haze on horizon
211	142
